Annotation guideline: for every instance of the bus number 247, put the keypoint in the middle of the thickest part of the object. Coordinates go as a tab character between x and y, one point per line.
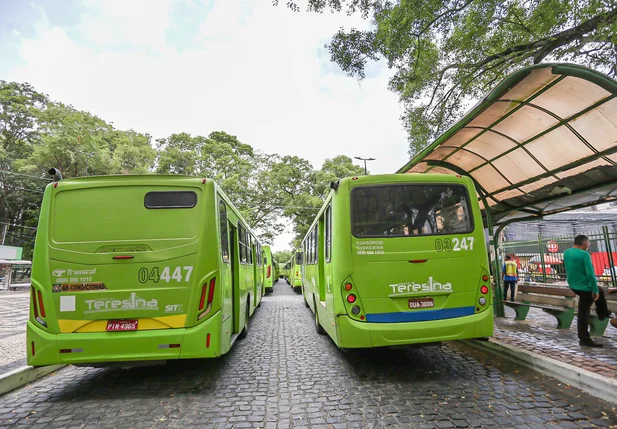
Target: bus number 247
167	274
454	244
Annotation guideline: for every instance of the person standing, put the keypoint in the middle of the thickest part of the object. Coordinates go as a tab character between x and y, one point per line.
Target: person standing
582	281
510	277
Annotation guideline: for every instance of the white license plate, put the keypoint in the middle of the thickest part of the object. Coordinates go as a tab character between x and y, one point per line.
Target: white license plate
421	303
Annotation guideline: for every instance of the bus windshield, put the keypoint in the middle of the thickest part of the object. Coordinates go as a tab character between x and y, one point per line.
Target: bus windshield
410	210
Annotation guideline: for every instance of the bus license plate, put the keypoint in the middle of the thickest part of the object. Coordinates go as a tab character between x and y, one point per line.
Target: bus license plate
122	325
421	303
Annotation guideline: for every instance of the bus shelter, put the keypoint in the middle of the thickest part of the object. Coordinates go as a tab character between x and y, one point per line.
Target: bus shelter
543	141
15	275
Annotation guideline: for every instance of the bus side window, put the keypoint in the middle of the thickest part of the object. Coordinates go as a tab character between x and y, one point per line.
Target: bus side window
328	237
223	231
241	243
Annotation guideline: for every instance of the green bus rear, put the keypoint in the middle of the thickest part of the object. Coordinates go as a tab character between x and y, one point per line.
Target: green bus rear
134	268
269	274
294	275
399	259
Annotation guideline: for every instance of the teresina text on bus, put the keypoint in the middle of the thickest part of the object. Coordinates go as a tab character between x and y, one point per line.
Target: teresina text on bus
430	286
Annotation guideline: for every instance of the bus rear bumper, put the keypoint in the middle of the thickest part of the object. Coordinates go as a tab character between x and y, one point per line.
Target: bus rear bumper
353	334
98	347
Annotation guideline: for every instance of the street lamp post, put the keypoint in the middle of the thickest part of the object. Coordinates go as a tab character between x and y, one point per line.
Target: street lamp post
364	159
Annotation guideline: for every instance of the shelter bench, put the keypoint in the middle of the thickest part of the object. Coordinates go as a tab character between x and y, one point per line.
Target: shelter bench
556	301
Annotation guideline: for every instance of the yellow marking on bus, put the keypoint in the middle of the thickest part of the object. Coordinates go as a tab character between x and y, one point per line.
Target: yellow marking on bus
165	322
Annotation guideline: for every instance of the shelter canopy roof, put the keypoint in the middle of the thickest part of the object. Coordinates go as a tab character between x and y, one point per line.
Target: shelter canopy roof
543	141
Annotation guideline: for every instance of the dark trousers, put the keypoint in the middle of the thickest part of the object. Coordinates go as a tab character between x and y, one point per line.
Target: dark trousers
584	308
509	284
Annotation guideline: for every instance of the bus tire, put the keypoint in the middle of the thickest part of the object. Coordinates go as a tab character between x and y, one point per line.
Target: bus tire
318	326
245	330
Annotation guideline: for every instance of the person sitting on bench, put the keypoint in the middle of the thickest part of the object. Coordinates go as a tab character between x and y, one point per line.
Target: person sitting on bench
582	280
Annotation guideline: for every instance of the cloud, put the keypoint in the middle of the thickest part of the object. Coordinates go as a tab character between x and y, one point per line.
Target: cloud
248	68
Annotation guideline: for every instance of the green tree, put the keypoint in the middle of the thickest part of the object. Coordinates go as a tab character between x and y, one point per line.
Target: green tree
282	257
446	53
243	173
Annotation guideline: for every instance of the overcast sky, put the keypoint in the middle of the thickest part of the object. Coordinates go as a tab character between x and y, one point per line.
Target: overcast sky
256	71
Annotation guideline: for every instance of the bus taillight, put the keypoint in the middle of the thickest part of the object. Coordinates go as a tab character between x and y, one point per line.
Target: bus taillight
484	278
36	311
202	301
211	291
268	273
484	290
351	298
32	345
348	286
41	306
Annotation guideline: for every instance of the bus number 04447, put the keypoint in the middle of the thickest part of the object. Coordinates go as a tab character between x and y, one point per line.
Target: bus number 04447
155	275
454	244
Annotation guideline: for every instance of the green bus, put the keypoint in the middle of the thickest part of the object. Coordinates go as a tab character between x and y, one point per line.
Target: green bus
269	274
294	271
140	268
398	259
277	274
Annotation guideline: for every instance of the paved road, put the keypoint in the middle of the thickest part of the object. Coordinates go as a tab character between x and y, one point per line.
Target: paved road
285	375
13	316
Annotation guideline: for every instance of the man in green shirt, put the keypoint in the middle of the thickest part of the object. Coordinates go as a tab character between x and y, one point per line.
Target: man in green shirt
582	280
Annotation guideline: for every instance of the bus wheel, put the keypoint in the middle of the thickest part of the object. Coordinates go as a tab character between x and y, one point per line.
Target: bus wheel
245	331
318	327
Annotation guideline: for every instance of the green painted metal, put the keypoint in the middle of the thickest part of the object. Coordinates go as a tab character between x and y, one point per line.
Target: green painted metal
102	255
385	272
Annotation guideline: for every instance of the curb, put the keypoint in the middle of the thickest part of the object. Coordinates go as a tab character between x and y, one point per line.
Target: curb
594	384
24	375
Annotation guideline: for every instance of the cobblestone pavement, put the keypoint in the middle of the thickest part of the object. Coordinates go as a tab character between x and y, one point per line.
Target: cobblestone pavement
13	317
538	334
285	375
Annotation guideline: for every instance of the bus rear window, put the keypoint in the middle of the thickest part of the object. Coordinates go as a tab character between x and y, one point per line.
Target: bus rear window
410	210
170	200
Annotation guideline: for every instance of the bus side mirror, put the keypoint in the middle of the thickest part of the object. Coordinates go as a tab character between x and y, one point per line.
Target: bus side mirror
334	185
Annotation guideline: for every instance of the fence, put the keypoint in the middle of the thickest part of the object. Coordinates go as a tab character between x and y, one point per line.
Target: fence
541	260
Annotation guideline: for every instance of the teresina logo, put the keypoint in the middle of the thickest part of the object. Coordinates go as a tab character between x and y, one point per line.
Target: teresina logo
111	304
431	286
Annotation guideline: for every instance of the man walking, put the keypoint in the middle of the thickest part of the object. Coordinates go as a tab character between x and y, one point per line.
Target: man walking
582	280
510	277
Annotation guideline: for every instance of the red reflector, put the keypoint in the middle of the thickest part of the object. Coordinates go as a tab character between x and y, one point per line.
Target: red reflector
351	298
36	311
418	261
362	317
202	301
484	289
354	178
32	345
174	346
268	274
41	306
211	292
55	184
348	286
203	182
208	341
484	278
66	350
123	257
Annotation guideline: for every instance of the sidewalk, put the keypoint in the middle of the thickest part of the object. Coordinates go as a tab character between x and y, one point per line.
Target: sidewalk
538	334
14	307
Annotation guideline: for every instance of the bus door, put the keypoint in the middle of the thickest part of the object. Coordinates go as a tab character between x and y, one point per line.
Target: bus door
321	260
235	275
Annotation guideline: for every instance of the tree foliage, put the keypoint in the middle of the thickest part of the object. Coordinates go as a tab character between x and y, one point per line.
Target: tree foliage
446	53
37	133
